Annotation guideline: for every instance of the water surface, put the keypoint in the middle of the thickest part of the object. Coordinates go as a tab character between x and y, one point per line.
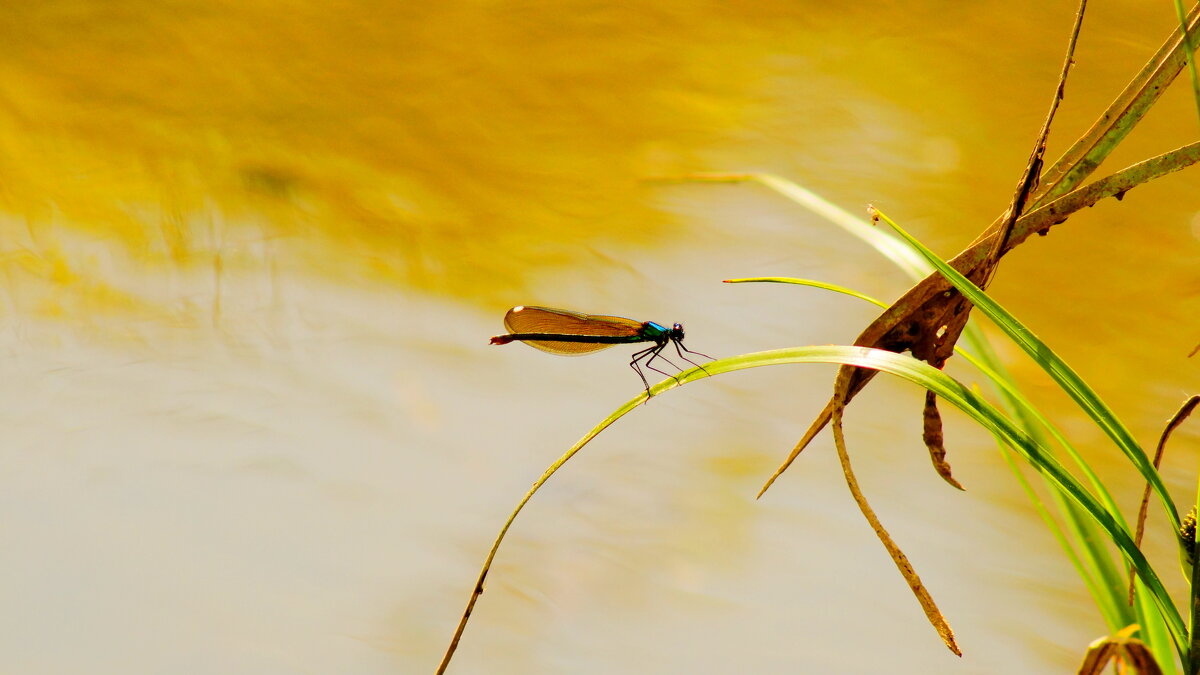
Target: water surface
252	259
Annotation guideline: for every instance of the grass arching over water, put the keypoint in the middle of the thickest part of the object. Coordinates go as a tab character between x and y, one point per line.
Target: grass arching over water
1093	527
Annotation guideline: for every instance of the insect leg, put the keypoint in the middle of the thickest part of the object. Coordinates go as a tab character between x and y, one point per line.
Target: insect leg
634	364
679	345
681	349
657	354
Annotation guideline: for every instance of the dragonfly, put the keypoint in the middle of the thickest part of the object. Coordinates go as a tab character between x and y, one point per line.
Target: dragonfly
567	333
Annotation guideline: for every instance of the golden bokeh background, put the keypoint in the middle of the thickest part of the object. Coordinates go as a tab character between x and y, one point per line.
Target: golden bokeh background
252	254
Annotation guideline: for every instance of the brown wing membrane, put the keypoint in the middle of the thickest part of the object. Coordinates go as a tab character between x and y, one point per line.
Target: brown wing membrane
563	322
566	348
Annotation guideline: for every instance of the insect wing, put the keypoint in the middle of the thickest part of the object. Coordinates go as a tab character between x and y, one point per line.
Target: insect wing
526	319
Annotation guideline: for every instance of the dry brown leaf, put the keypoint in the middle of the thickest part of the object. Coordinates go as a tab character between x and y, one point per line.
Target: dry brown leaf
929	318
932	613
1122	650
932	434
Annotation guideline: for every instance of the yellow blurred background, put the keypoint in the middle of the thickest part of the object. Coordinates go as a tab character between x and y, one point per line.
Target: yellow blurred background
253	252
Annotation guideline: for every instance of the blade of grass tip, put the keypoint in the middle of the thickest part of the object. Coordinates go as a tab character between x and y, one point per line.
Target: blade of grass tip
891	248
809	282
537	485
1189	50
910	262
1059	371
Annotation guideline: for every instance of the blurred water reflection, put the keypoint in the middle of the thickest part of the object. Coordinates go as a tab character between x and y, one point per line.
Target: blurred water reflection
252	258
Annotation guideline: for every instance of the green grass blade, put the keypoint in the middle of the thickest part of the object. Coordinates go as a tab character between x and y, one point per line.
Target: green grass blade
1110	577
919	372
1155	632
809	282
1032	420
984	413
1110	583
1110	608
1059	371
1189	51
978	409
887	245
1104	580
1028	411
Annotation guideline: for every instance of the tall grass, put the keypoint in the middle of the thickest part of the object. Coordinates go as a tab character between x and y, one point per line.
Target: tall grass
1082	515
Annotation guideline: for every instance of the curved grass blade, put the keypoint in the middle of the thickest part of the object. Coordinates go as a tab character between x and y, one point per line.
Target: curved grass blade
1102	578
890	247
1004	385
978	409
809	282
1079	391
1109	608
922	374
